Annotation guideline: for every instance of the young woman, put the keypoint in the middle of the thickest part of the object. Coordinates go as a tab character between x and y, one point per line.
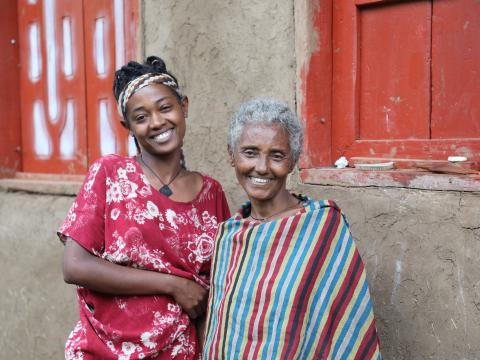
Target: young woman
287	281
139	237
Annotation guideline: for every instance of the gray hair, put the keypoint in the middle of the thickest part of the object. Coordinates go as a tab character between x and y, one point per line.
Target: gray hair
267	111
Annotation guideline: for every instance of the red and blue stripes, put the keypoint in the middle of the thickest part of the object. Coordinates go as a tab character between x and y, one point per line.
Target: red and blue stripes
293	288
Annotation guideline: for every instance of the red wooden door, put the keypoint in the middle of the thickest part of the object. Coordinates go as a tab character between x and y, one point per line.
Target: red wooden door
108	43
406	79
10	135
52	86
69	51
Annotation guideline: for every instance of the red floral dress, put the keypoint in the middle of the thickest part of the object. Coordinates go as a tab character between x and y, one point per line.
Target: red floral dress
119	217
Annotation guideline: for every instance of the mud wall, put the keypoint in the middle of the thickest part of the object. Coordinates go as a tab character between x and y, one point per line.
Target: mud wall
223	52
37	309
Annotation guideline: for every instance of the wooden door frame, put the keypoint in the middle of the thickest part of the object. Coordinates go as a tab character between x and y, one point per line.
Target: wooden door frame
313	46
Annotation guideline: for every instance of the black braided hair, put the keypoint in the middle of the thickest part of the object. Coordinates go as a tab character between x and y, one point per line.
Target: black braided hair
132	70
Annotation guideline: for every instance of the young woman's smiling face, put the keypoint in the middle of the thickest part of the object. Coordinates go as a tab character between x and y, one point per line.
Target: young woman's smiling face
156	117
262	159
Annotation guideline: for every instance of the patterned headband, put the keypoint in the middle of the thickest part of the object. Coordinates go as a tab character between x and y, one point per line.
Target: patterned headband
140	82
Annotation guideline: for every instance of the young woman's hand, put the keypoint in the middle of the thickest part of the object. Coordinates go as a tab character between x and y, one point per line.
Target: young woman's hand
190	296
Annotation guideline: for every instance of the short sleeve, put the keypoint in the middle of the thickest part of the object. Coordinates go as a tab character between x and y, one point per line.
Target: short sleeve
85	221
224	210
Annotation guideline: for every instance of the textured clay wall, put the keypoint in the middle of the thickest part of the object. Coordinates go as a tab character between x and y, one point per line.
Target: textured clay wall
37	309
223	52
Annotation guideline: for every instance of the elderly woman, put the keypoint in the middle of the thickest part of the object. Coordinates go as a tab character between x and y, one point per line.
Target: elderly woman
287	280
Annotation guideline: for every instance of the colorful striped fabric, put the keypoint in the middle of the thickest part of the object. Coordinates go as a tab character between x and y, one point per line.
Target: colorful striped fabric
292	288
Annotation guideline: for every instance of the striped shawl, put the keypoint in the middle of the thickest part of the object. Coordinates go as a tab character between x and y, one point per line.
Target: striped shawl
291	288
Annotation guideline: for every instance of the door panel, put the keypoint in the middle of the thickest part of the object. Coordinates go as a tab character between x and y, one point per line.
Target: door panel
394	46
456	69
105	133
52	86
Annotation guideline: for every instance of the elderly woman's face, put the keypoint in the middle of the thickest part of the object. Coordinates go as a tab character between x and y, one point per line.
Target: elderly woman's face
262	161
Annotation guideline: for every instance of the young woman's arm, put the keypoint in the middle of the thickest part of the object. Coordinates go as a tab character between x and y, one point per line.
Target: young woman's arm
84	269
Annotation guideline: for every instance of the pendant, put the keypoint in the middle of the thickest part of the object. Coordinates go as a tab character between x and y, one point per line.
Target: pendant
165	190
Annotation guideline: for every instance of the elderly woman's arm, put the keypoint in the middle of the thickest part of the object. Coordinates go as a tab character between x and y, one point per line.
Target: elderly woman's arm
84	269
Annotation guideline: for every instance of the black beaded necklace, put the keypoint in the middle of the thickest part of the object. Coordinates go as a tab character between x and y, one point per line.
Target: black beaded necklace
165	189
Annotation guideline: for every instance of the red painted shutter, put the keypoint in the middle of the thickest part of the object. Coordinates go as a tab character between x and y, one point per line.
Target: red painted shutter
406	79
68	54
52	91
